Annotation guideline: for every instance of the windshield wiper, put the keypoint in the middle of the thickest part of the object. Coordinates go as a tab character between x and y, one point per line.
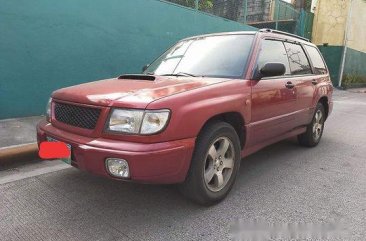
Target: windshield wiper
180	74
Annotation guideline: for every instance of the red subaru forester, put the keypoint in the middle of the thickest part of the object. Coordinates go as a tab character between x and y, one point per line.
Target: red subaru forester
195	111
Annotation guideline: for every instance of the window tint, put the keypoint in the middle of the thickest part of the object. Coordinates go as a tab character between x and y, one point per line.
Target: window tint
273	51
316	59
299	64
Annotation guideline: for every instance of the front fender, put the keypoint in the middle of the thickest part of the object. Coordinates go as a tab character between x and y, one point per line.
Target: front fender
192	109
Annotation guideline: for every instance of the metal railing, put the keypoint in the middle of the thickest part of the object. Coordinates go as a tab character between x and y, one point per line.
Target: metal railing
275	14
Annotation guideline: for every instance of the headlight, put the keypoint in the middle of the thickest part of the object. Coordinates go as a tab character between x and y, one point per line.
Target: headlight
48	110
154	121
138	121
128	121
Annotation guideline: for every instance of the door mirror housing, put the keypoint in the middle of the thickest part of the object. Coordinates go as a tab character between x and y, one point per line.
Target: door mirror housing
145	67
270	70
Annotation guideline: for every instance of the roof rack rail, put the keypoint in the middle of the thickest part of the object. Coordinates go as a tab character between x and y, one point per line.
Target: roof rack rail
268	30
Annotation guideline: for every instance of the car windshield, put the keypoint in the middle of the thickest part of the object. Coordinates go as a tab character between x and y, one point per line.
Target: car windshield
223	56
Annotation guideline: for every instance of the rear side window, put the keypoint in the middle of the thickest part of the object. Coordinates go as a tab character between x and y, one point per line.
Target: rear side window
299	63
273	51
316	59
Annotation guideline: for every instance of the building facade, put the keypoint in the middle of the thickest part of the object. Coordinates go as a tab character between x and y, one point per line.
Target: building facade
245	11
339	29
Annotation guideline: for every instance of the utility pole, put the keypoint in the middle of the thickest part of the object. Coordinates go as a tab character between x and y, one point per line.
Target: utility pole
348	24
245	11
277	10
196	4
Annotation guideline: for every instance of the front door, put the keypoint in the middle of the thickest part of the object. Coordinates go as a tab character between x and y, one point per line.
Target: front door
273	108
273	99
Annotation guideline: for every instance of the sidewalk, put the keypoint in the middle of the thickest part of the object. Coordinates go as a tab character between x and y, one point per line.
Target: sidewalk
18	138
357	90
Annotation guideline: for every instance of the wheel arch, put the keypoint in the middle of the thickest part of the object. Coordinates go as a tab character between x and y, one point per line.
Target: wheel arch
235	119
324	101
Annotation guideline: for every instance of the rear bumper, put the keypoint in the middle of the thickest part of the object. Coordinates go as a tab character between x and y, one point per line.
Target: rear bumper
166	162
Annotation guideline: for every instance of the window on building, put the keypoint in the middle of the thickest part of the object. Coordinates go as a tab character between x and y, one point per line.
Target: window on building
299	63
273	51
316	59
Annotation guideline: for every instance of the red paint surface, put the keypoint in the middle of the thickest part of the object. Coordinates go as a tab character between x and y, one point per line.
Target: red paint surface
53	150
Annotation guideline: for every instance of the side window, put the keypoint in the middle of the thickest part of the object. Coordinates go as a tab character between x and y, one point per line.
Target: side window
299	63
316	59
273	51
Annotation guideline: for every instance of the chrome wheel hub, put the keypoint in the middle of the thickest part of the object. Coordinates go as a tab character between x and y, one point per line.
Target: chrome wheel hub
219	164
318	125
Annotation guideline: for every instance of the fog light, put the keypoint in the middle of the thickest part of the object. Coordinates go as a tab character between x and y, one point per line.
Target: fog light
117	167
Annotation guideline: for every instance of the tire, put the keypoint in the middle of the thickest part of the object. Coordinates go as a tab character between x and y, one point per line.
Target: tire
314	130
210	160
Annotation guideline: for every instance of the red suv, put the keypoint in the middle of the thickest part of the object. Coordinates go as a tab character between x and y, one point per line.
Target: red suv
195	111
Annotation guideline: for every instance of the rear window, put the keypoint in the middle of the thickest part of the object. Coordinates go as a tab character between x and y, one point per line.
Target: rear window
299	63
316	59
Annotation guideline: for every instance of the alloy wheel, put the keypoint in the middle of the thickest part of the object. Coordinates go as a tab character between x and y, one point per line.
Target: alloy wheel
318	125
219	164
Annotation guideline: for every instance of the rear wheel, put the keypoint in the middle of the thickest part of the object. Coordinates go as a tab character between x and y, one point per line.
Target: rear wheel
314	130
214	165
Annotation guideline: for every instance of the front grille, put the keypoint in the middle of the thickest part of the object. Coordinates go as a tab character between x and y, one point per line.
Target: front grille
83	117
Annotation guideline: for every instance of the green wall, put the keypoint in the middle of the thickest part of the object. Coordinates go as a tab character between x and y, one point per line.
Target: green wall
49	44
354	69
332	56
355	62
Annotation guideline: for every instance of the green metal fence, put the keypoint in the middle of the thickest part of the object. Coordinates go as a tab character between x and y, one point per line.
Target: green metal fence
275	14
285	11
304	26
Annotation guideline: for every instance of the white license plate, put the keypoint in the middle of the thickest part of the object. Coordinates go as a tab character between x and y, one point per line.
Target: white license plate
66	160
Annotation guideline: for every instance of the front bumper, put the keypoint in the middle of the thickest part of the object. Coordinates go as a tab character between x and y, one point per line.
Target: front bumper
165	162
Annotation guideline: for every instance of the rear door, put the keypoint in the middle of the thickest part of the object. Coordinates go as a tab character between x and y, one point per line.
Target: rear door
273	98
303	78
320	75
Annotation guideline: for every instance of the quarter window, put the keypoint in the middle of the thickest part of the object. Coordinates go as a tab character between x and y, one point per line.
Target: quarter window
299	63
316	59
273	51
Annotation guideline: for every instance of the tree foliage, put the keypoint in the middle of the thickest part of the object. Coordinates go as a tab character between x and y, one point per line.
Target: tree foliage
203	5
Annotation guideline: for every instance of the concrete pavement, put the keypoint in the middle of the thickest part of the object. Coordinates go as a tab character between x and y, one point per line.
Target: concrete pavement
283	183
18	131
18	139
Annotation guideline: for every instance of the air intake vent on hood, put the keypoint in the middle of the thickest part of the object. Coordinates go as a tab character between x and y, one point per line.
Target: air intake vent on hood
137	76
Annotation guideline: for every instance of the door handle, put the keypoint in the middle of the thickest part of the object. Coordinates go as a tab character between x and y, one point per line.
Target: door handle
289	85
314	82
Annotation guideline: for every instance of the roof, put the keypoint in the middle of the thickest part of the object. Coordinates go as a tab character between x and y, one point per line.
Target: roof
265	30
268	30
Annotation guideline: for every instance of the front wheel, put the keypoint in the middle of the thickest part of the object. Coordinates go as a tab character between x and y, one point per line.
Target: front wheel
314	130
214	165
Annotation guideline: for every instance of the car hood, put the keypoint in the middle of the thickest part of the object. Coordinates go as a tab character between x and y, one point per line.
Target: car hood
130	93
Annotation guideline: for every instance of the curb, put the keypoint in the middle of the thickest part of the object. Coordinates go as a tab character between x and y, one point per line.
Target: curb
357	90
24	152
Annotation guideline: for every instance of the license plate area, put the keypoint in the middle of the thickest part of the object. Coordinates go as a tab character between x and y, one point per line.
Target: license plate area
66	160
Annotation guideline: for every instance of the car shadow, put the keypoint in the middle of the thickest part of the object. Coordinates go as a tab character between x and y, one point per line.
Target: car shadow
155	207
100	189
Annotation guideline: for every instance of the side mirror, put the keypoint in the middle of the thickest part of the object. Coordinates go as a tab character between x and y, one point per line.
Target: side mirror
270	70
145	67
